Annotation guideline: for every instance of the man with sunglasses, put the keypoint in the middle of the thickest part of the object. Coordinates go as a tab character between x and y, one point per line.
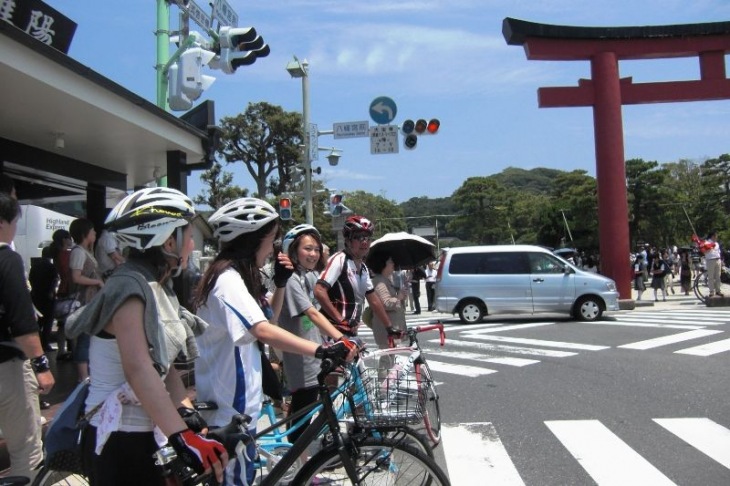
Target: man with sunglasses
345	282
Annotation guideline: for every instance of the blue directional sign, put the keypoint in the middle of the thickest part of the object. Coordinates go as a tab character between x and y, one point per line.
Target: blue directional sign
383	110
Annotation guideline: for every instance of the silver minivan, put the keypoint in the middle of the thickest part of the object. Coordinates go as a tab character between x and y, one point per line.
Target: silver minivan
476	281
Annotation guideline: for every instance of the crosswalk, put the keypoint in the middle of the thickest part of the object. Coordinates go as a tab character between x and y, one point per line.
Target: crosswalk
482	349
475	450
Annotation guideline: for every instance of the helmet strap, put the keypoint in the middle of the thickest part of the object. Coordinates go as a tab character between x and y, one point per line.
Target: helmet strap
177	270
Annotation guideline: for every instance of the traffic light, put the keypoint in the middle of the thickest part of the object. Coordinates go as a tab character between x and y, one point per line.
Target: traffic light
285	208
411	139
239	47
411	129
336	205
186	81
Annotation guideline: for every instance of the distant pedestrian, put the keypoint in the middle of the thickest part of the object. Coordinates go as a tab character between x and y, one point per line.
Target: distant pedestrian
713	262
416	277
430	285
685	271
639	275
658	274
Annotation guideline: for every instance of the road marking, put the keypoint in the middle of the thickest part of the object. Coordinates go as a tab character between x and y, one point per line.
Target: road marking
487	358
509	327
456	343
707	349
703	434
479	453
604	456
539	342
671	339
461	370
629	323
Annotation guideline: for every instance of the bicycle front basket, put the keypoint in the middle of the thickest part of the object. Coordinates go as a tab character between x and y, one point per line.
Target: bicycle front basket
389	392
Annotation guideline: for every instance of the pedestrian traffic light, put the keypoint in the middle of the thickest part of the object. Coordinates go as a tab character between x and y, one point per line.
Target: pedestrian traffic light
285	208
336	204
239	47
186	81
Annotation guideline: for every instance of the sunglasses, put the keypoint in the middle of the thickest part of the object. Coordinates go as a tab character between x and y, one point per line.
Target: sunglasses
361	238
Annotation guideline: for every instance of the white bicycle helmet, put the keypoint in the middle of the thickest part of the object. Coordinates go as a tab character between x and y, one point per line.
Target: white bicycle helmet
292	234
243	215
148	217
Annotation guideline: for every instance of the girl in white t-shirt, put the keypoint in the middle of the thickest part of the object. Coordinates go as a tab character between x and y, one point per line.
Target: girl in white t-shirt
231	298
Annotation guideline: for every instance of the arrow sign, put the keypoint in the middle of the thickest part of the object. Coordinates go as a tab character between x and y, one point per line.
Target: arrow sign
383	110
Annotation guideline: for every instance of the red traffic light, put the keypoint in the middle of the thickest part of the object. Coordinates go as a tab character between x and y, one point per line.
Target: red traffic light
433	126
285	208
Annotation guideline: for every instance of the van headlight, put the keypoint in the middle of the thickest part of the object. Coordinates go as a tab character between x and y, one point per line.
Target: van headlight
611	286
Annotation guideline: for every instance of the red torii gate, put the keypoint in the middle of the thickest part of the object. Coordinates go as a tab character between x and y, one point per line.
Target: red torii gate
606	92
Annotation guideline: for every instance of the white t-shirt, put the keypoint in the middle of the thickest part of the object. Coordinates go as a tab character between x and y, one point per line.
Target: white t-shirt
105	245
228	370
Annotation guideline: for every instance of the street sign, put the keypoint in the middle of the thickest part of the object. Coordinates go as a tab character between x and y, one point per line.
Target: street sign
198	16
384	139
383	110
351	129
225	14
313	142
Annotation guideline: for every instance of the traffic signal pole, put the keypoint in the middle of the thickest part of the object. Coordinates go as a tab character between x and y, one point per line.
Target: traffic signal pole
163	51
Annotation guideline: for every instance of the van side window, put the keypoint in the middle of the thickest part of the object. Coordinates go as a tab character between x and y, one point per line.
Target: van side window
497	263
542	263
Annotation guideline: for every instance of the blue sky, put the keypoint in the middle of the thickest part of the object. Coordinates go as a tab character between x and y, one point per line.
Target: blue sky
444	59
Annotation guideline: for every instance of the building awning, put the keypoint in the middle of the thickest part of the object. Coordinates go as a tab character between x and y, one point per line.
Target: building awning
60	117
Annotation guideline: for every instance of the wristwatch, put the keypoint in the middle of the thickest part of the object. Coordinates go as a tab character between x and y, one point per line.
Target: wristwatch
40	364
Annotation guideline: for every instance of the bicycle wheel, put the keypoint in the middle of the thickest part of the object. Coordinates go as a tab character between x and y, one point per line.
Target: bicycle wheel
48	477
377	461
700	286
431	412
409	436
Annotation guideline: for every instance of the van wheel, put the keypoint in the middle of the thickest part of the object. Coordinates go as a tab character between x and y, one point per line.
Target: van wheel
471	312
588	309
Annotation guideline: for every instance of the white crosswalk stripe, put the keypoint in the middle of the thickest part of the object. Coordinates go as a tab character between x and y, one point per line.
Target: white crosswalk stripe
604	456
707	349
671	339
702	433
475	450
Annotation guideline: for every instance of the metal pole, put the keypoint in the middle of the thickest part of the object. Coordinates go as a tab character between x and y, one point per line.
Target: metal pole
307	161
567	227
163	50
694	232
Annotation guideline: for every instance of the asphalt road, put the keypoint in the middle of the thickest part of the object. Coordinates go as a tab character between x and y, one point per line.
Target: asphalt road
642	397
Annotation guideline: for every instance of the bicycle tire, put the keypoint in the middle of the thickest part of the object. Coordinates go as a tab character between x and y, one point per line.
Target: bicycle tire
52	477
378	461
701	288
431	411
410	437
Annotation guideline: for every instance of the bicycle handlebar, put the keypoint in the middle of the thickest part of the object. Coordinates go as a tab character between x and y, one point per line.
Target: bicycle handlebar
412	331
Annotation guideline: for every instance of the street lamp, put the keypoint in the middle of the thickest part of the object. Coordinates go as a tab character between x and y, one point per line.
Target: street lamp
300	69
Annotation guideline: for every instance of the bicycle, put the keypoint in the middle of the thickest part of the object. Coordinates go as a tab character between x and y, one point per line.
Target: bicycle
701	287
272	443
352	455
424	379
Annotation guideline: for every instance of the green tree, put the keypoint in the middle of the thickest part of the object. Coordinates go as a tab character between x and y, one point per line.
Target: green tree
643	180
266	139
575	196
220	190
483	206
384	213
